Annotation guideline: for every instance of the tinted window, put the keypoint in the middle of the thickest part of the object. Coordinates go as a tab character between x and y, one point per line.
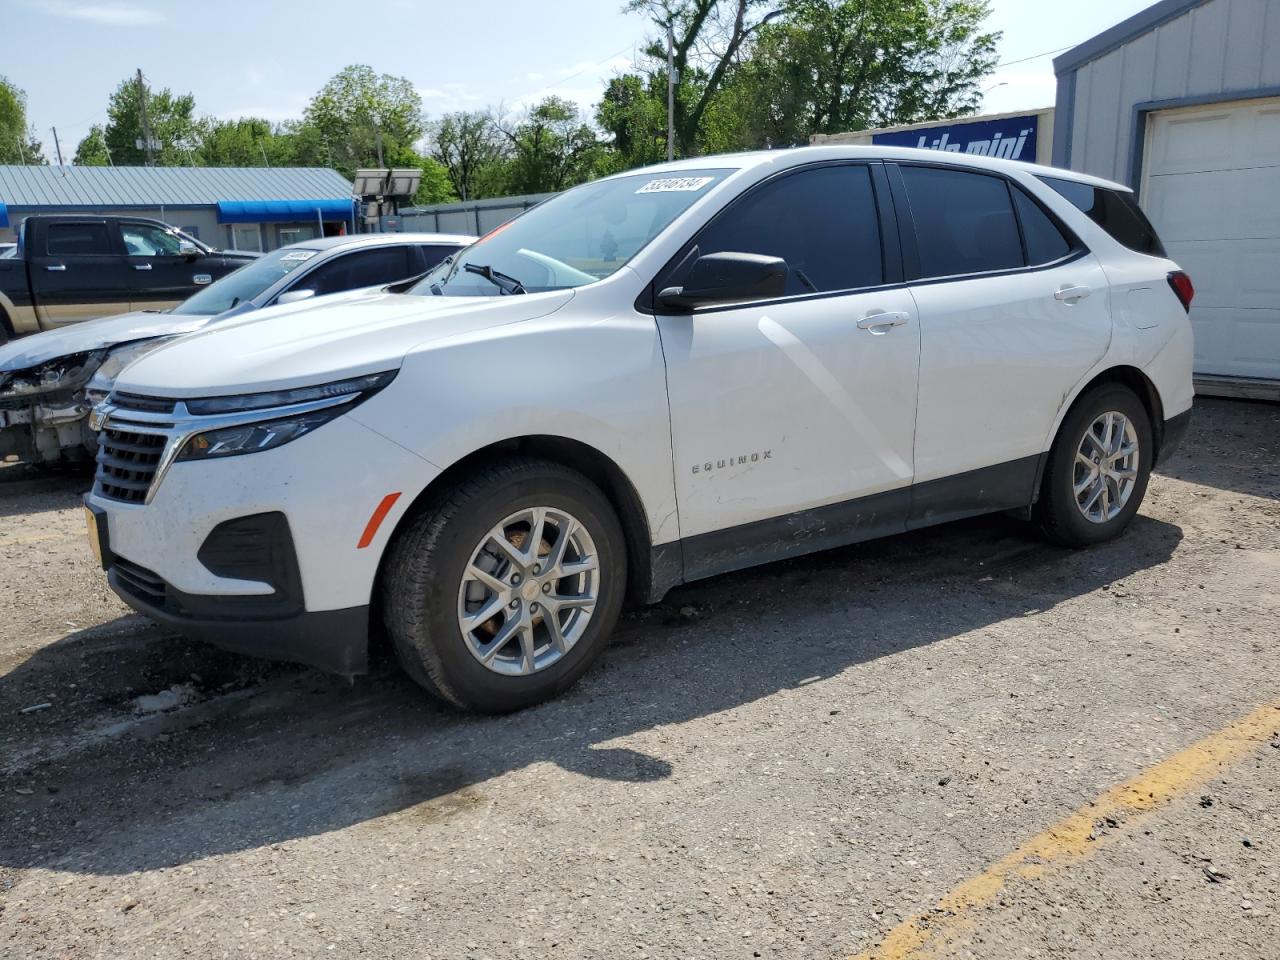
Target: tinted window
1114	211
964	222
144	240
433	254
245	283
364	268
1045	242
822	222
78	239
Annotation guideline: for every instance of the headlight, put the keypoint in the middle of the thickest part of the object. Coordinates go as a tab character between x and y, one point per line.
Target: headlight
252	437
118	359
62	375
324	403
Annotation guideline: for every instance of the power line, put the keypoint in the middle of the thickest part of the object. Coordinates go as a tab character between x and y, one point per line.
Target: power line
1034	56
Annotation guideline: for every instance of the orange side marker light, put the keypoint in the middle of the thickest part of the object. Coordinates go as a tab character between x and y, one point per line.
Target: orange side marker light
375	521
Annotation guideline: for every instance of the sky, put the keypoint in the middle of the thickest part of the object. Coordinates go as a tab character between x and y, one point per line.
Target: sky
267	58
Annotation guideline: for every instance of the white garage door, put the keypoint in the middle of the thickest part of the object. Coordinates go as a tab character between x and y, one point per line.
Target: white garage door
1211	186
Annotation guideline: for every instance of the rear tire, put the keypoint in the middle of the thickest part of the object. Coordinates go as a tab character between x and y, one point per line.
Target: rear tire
1098	468
446	571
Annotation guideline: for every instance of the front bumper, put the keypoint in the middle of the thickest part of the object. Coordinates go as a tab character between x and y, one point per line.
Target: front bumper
200	558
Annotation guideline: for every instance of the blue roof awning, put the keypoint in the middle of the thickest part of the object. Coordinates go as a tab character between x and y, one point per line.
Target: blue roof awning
278	211
4	215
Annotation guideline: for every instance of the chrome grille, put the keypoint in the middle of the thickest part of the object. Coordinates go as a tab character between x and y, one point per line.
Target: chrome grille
127	463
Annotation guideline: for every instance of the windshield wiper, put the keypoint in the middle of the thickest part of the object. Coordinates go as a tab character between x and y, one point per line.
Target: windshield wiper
507	284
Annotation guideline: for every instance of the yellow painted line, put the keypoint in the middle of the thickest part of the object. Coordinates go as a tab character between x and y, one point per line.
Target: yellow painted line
1069	840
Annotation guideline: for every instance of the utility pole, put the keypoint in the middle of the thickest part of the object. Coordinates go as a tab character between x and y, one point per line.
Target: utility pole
57	146
671	94
146	123
378	138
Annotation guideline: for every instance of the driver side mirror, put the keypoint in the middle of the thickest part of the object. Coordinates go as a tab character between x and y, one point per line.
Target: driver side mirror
724	278
293	296
188	249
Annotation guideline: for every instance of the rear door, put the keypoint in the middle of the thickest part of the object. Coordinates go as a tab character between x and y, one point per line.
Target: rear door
79	272
1013	312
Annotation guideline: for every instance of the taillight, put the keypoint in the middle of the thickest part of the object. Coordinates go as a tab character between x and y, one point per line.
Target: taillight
1182	288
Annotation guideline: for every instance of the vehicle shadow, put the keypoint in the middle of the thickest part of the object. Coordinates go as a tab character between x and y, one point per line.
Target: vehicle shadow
25	490
283	752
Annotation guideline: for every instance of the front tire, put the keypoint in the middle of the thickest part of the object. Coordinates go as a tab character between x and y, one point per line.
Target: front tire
1098	468
505	592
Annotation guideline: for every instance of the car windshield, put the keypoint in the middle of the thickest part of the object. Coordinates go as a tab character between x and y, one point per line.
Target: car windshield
245	283
575	238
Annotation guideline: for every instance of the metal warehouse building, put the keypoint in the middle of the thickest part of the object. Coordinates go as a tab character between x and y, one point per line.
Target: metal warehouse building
1182	102
244	208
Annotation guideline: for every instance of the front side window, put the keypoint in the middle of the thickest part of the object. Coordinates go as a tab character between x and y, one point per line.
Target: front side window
245	283
822	222
964	222
1115	211
144	240
363	268
575	238
78	240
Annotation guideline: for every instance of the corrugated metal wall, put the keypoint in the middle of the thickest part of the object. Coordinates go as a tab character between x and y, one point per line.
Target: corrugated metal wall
1216	48
475	216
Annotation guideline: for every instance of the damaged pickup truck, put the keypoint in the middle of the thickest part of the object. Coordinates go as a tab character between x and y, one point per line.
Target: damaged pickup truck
50	381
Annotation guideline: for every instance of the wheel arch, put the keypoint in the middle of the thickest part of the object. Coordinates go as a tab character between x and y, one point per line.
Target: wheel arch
1127	376
647	577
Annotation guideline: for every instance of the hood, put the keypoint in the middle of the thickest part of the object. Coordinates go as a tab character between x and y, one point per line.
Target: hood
93	335
300	345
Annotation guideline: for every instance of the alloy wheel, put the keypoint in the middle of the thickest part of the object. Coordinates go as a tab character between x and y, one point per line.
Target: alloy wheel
1106	467
528	591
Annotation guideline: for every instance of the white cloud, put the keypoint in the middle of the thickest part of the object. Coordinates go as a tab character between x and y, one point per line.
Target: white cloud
449	98
112	14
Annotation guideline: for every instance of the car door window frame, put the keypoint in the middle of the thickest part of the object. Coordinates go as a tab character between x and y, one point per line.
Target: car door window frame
908	232
891	252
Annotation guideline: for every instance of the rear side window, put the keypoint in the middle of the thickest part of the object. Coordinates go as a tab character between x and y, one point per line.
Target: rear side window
364	268
964	222
822	221
78	239
1045	242
1115	211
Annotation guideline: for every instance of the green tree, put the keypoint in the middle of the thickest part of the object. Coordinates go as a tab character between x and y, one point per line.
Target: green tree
173	125
551	148
246	142
634	111
837	65
709	38
436	187
18	143
356	108
472	151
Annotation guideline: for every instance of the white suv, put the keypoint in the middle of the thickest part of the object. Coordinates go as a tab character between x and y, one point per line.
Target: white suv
656	377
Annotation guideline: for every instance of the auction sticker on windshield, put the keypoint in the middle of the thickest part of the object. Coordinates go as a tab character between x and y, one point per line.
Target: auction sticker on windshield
676	185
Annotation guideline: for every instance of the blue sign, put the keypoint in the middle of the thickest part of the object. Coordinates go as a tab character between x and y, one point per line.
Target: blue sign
1013	138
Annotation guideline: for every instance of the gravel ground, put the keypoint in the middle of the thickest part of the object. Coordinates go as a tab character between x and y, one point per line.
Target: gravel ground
785	762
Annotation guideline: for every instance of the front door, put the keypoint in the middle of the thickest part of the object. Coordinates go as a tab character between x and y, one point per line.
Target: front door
80	274
162	276
1013	312
792	419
